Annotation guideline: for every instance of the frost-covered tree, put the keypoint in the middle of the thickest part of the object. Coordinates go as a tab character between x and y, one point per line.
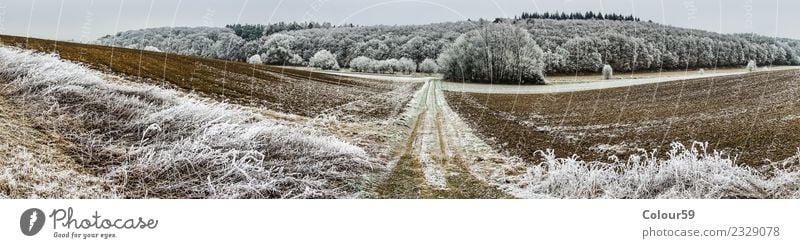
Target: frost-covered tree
278	49
625	53
228	46
252	47
255	59
669	60
556	61
608	72
324	60
252	32
428	66
406	65
496	53
362	64
388	66
296	60
417	49
573	44
583	55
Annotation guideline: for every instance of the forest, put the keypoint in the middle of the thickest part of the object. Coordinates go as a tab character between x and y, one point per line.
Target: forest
554	44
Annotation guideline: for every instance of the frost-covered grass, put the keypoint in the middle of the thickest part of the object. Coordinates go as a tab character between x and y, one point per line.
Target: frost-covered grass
24	174
686	172
154	142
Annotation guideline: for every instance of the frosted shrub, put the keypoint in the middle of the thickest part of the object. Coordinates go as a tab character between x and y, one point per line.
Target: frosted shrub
324	60
406	66
386	66
361	64
152	49
751	66
255	59
296	60
389	66
496	53
687	172
278	50
428	66
152	142
608	72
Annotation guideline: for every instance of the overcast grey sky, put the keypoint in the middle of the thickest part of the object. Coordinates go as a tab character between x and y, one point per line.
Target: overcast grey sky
90	19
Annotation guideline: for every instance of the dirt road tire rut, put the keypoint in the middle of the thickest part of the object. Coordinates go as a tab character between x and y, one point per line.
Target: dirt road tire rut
427	152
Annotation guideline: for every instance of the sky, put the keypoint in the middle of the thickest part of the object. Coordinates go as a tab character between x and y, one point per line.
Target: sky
85	20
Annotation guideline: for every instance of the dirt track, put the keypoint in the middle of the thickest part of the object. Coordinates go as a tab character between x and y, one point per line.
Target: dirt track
430	164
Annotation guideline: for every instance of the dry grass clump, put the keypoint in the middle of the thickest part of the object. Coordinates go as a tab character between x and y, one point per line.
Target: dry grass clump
608	72
153	142
33	163
752	66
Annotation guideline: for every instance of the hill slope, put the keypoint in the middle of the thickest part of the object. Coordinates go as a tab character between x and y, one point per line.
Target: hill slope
569	45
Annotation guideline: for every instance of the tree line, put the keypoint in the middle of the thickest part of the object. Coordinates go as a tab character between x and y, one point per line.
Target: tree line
250	32
578	44
589	15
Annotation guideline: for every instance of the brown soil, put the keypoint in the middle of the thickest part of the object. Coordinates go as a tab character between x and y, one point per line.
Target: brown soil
755	116
302	92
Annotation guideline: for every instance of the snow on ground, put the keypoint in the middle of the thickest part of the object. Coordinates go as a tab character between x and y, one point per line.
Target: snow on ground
389	77
573	87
